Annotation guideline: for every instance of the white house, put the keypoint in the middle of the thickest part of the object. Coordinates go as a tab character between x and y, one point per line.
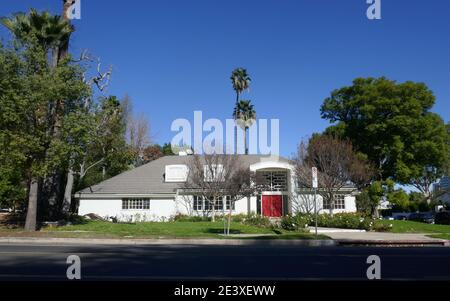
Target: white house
154	192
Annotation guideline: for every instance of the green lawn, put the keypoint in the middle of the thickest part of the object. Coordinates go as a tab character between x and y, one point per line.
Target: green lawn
415	227
441	236
157	229
100	229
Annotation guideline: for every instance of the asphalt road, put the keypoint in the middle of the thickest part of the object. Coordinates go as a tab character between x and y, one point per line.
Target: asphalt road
256	262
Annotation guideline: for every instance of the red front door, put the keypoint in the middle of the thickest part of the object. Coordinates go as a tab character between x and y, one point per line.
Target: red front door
272	205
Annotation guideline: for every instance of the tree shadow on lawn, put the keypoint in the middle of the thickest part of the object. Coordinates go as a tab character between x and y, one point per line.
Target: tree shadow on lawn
236	231
220	231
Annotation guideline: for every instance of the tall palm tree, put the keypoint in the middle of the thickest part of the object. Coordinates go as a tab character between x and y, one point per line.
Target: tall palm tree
241	82
51	32
245	115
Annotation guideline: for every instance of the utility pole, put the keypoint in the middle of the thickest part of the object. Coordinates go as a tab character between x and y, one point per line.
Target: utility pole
315	185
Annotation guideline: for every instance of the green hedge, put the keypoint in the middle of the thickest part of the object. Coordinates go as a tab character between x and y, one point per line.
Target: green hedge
301	221
345	221
297	222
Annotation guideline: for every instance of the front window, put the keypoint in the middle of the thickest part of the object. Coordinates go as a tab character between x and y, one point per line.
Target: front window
135	204
201	204
339	202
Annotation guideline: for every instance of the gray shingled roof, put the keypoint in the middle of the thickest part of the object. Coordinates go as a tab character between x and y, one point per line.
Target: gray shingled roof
149	178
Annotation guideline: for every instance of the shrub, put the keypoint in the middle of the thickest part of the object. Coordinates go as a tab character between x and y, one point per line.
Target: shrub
76	219
239	218
257	220
344	221
381	227
297	222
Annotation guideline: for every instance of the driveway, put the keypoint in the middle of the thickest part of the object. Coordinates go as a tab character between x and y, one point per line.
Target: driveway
379	236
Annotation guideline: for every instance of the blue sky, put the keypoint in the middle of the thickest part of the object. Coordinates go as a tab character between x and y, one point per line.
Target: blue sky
175	56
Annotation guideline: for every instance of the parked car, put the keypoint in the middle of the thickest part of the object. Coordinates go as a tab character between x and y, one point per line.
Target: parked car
400	216
424	217
442	218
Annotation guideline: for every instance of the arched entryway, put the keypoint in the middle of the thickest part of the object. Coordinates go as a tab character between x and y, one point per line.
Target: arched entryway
273	202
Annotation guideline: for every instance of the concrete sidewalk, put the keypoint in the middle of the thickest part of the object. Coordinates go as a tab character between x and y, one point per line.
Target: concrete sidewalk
384	238
322	230
168	241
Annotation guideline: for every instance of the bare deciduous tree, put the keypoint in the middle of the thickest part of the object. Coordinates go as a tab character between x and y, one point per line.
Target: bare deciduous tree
209	177
243	183
337	164
302	203
137	131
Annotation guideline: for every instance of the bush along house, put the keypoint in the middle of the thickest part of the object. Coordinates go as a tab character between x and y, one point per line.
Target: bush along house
156	192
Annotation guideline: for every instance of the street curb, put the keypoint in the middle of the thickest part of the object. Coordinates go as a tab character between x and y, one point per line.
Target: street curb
405	243
125	242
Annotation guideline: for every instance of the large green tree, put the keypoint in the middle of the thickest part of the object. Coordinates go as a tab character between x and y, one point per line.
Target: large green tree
391	123
13	141
105	152
51	33
29	88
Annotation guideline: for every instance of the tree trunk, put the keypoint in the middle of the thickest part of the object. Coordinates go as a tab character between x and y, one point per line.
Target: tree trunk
30	222
55	57
54	180
213	217
67	202
245	140
235	128
224	221
229	219
331	202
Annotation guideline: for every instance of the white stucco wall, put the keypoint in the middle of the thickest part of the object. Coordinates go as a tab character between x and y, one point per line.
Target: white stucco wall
160	209
184	206
164	209
305	203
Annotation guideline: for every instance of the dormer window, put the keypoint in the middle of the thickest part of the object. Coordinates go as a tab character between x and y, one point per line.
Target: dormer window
176	173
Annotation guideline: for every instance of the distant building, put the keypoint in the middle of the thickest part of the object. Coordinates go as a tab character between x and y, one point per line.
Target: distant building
442	189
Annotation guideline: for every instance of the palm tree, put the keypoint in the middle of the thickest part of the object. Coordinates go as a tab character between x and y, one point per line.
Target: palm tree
241	82
51	32
245	115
